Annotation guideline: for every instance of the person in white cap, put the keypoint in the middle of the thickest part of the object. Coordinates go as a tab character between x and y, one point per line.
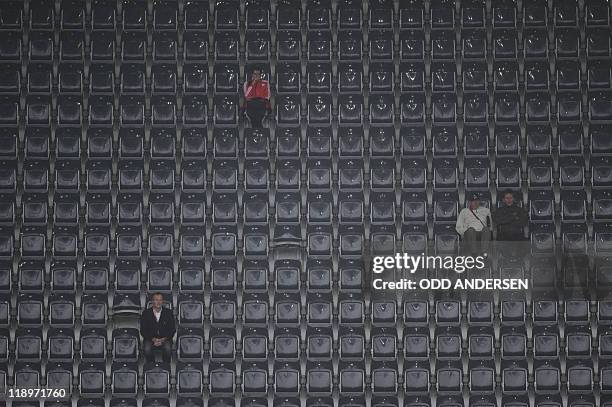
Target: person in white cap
474	224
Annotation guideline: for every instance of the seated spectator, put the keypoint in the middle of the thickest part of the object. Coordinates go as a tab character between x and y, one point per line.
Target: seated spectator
474	225
257	98
157	329
510	219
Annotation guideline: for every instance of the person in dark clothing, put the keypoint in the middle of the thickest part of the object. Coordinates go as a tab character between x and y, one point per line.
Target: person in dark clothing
257	98
157	328
510	219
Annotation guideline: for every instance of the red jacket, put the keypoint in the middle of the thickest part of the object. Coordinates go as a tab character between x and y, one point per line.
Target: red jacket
257	90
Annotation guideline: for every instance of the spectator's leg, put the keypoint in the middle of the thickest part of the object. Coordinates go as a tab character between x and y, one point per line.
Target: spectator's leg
148	350
250	111
512	244
485	238
256	112
166	349
470	236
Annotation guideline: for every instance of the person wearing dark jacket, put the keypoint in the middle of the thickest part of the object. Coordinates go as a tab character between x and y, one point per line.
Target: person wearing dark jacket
510	219
157	328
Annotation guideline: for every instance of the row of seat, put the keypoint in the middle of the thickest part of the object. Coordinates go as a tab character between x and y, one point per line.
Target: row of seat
348	78
67	143
320	379
319	177
343	401
252	344
412	109
319	46
378	208
319	313
254	275
321	240
255	242
317	15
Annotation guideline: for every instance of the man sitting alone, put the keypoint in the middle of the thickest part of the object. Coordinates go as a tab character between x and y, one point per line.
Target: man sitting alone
157	329
257	98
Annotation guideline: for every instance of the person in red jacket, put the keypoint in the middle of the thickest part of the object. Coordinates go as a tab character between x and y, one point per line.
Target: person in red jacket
257	98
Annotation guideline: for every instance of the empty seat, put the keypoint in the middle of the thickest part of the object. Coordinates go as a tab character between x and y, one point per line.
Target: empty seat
288	16
445	206
59	375
476	173
412	108
412	76
27	375
598	42
414	208
382	109
288	46
580	376
444	108
475	107
125	345
319	109
381	44
535	42
93	344
28	344
124	379
412	45
189	379
537	76
224	241
258	46
288	110
12	17
156	379
319	45
474	77
474	44
349	45
350	109
381	77
505	44
225	78
191	277
92	378
443	45
288	78
445	173
190	311
482	377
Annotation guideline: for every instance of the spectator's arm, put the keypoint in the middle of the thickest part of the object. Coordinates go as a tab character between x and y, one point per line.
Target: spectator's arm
267	90
172	327
247	90
143	329
500	218
460	225
523	217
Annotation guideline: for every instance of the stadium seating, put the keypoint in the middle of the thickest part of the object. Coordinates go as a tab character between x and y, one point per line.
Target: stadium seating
128	167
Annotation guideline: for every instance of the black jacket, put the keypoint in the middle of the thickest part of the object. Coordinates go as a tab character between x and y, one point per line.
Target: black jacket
510	221
150	328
